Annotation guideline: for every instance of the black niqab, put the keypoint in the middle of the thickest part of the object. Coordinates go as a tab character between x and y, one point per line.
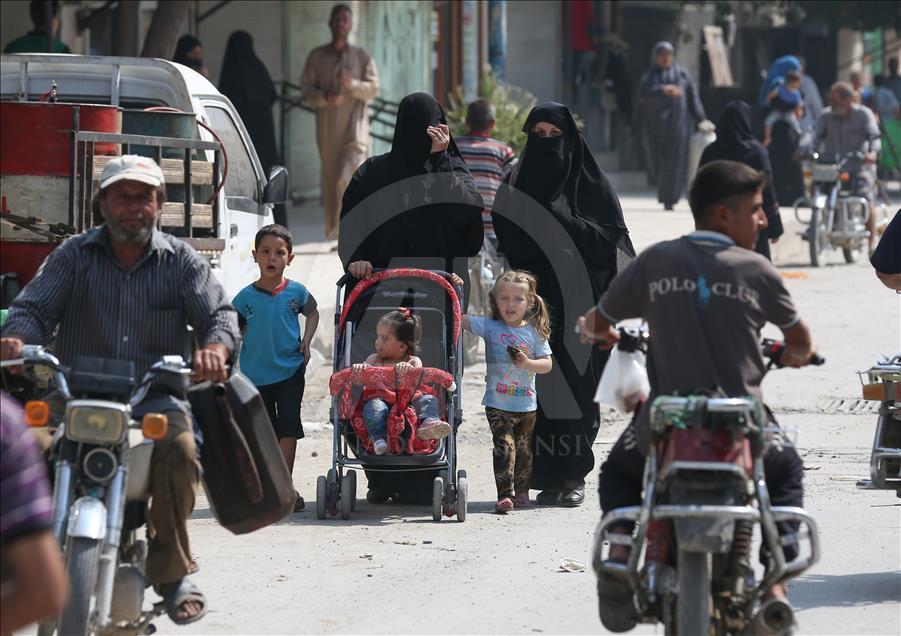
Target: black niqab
734	139
562	174
186	44
405	223
736	142
411	145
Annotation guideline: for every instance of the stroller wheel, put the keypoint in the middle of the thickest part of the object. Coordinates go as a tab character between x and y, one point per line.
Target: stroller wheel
437	498
331	492
450	498
347	496
462	498
321	493
353	489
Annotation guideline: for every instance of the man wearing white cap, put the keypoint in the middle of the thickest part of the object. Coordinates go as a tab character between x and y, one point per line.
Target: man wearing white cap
127	291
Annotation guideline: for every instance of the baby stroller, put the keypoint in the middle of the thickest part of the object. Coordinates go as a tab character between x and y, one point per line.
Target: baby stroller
434	297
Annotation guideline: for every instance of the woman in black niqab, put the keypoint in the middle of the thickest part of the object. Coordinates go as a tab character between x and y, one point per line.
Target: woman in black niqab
245	80
572	229
735	142
189	52
426	212
411	207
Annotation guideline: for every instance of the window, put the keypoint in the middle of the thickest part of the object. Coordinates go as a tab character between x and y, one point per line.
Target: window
241	180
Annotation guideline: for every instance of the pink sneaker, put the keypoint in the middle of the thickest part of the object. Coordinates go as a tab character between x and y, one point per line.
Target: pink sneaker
503	506
433	429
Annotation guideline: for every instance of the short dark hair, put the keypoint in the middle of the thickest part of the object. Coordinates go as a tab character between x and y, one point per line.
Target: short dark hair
276	230
480	114
792	76
338	8
721	180
37	9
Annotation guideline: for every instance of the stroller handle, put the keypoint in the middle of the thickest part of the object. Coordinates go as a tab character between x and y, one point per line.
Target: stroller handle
348	277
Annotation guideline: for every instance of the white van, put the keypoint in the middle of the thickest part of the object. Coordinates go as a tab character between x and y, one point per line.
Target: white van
247	198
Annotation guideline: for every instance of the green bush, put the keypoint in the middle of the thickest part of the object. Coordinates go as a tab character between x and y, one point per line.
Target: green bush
511	103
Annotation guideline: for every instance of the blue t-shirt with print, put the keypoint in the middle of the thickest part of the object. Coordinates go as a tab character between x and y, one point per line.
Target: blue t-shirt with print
507	387
270	352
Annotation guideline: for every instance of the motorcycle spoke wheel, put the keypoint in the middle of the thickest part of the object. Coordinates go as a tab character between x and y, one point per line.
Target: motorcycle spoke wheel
82	556
693	602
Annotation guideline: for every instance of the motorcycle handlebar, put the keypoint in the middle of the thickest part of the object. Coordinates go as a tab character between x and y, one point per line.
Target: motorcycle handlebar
37	355
773	350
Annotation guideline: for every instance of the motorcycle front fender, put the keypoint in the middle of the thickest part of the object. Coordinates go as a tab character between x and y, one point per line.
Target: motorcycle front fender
87	519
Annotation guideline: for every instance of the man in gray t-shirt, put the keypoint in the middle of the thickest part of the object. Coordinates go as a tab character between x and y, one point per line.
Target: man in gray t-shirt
705	300
705	297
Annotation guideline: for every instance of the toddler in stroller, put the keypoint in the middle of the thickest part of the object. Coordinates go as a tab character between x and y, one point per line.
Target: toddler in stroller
408	389
397	340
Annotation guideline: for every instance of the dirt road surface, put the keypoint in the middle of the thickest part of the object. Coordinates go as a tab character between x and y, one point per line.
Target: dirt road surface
391	569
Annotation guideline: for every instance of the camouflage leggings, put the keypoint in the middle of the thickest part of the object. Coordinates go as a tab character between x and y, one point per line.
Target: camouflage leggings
512	433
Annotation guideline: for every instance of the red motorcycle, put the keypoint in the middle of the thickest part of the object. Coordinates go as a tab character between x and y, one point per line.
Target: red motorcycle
704	492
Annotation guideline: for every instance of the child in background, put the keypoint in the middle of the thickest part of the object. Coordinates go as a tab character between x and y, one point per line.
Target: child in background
786	105
274	354
516	348
397	341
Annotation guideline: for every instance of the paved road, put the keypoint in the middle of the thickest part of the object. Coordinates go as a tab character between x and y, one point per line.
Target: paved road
390	569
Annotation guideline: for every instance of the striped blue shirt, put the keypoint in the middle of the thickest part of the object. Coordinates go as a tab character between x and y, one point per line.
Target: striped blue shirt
98	308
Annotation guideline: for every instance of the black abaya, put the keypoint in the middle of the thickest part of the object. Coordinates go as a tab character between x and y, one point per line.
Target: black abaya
412	208
558	217
247	83
735	142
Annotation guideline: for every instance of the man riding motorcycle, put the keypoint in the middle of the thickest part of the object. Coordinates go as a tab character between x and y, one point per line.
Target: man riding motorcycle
843	128
705	296
126	290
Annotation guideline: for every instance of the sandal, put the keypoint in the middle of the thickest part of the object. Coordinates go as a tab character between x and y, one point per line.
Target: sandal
503	506
175	595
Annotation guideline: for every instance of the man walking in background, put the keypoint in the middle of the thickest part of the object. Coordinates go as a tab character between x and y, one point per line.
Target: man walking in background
338	81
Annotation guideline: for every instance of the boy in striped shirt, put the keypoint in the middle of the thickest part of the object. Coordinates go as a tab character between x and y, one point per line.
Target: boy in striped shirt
487	159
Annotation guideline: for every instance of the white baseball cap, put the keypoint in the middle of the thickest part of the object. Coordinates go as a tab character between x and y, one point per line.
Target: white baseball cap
132	168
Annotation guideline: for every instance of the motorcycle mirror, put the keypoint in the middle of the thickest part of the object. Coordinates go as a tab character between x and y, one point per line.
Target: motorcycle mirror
155	426
37	413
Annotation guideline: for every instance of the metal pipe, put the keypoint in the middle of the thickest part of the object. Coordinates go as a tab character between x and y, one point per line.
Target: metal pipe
76	114
106	575
189	194
62	497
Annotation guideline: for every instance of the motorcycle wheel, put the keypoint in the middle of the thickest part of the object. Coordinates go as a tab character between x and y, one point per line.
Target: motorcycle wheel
82	555
693	602
816	238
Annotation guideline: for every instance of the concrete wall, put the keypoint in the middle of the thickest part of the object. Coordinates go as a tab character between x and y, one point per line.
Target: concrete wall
263	19
535	47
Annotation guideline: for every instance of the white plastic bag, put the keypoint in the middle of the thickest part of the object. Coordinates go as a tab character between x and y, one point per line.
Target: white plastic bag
624	381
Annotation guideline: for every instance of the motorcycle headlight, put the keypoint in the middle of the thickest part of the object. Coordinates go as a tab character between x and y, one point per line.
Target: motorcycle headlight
96	421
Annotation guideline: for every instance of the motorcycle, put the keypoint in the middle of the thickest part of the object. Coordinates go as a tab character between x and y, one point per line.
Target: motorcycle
882	383
837	217
101	463
704	491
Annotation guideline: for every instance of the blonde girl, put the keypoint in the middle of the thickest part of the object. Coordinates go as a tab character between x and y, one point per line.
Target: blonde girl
516	349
